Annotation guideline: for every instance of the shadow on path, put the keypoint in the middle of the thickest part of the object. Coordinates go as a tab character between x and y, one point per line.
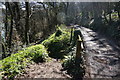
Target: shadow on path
103	55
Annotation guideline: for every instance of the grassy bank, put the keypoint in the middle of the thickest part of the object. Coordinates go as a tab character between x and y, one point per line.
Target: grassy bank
15	64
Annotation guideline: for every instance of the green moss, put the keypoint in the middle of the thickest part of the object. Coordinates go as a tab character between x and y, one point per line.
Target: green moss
14	64
56	45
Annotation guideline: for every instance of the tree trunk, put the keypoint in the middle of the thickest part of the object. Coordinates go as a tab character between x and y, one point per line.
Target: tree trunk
3	51
17	17
27	23
6	21
11	27
11	30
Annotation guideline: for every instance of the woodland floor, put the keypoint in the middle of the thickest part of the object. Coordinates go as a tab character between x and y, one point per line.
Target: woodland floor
103	55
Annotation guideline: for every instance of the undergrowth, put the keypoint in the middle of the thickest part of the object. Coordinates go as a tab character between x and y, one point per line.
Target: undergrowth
57	43
15	64
74	68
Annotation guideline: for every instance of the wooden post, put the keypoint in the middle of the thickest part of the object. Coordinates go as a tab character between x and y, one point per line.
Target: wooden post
78	51
71	34
79	47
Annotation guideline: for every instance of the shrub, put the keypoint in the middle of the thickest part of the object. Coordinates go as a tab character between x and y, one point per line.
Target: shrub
57	43
37	53
73	69
14	64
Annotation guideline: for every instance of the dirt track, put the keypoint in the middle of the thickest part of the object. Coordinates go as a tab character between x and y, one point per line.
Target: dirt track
103	56
51	69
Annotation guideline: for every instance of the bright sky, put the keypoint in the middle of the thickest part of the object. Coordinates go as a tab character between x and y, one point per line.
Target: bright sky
2	6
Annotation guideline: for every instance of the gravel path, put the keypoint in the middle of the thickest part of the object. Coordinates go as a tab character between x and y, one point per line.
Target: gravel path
103	56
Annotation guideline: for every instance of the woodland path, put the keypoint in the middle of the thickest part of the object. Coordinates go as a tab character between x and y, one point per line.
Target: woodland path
102	60
103	56
50	69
